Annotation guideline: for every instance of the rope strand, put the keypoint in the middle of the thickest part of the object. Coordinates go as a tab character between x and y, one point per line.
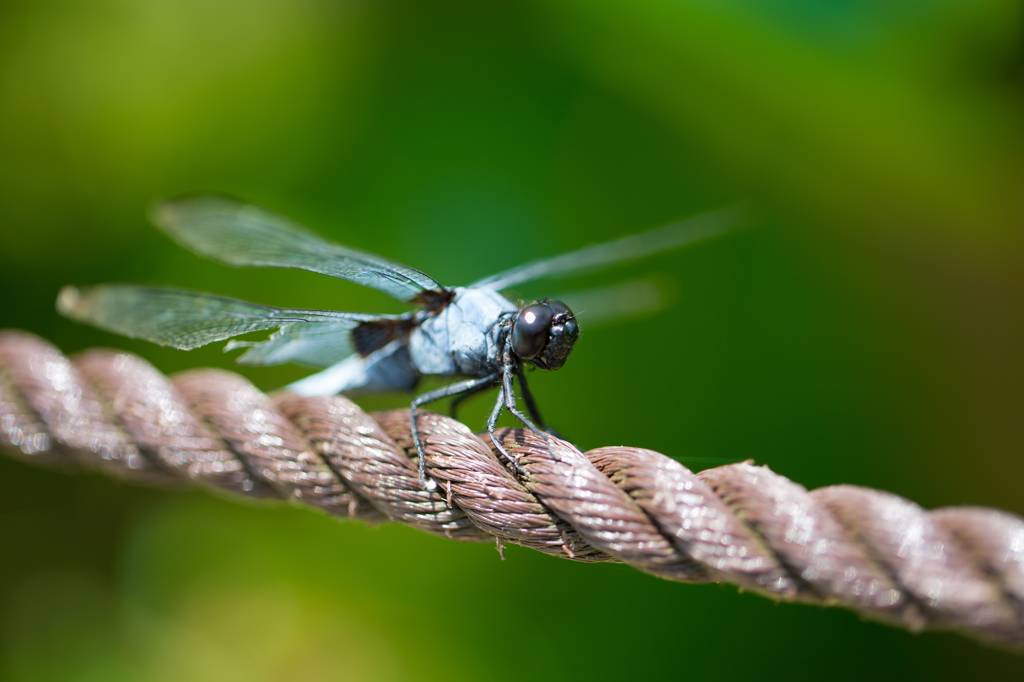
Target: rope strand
870	551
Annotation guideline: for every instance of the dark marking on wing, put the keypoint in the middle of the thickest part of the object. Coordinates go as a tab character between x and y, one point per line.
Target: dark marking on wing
433	300
375	334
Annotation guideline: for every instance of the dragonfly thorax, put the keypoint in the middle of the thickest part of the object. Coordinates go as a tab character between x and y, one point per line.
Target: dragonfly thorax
463	339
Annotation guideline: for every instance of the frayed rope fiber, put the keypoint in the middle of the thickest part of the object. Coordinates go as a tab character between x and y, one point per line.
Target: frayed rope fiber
869	551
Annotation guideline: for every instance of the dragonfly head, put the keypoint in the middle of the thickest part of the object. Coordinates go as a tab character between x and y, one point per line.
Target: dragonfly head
544	333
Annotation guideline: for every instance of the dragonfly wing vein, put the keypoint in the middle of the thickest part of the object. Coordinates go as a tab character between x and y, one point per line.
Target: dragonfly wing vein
244	235
189	319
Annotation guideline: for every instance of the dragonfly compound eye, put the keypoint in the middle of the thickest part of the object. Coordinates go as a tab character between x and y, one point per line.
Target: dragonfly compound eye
562	334
530	332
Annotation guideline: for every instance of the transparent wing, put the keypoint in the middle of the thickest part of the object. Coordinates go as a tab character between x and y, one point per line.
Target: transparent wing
240	234
189	319
621	250
604	305
317	344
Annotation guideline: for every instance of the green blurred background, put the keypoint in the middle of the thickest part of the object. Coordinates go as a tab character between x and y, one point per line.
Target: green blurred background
868	330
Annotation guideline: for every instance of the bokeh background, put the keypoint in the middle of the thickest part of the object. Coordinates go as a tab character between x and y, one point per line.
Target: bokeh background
867	329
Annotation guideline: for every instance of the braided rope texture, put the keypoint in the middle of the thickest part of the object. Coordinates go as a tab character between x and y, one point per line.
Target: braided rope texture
873	552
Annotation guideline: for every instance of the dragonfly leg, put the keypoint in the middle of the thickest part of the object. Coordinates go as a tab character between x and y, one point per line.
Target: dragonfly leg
531	404
510	404
454	408
439	394
492	422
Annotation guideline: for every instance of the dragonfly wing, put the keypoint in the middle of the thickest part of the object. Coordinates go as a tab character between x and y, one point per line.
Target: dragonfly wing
241	234
613	303
317	344
632	247
188	319
325	342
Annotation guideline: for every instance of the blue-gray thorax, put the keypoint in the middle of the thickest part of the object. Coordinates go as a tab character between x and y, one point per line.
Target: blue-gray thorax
463	339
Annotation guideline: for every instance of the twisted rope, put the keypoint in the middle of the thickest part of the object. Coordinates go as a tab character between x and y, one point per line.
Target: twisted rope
870	551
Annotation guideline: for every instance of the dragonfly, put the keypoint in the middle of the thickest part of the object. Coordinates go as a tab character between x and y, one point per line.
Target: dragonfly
475	334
